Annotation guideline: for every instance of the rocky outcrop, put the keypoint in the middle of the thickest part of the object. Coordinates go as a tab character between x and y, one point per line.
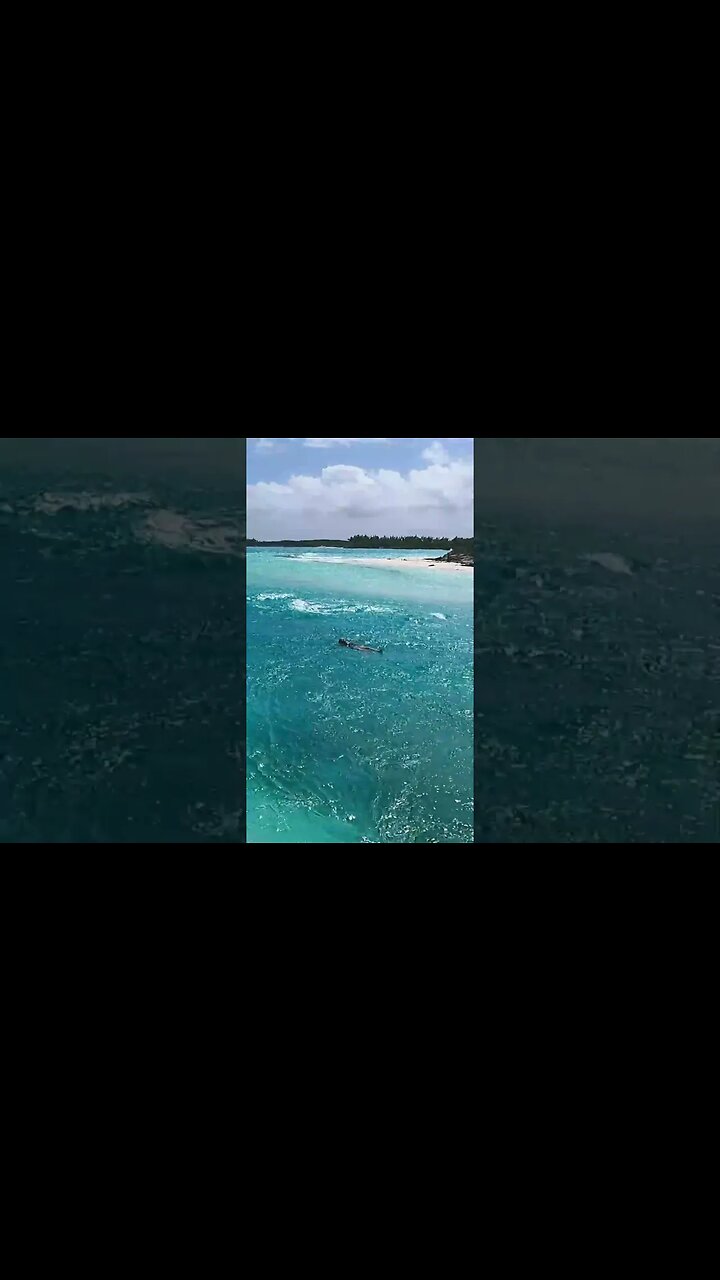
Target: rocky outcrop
458	557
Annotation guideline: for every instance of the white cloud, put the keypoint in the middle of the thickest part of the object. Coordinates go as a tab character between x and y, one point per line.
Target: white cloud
345	442
327	442
318	442
436	452
343	500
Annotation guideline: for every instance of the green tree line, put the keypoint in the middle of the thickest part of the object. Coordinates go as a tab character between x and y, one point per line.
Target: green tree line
377	542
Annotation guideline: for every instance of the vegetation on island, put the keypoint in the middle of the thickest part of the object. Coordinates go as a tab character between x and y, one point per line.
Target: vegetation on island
376	542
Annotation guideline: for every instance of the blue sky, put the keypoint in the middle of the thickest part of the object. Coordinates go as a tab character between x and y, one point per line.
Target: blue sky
278	458
332	487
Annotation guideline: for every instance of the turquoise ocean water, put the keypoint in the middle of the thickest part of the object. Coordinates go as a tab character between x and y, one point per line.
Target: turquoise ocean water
345	747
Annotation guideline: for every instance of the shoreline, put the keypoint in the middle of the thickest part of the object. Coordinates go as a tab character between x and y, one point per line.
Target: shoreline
416	562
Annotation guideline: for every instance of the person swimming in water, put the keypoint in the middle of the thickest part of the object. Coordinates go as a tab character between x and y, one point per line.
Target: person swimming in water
361	648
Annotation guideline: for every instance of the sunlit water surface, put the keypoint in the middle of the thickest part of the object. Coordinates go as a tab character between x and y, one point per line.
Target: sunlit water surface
345	747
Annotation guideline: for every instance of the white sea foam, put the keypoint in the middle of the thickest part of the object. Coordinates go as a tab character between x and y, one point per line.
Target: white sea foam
178	532
306	606
275	595
314	558
441	616
608	560
50	503
302	606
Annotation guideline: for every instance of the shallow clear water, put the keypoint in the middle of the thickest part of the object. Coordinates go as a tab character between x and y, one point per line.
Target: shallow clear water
346	747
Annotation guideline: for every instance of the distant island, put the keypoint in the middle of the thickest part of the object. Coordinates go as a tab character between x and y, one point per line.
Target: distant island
460	550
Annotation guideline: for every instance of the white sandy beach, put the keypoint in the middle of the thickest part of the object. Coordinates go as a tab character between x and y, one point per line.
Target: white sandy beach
413	562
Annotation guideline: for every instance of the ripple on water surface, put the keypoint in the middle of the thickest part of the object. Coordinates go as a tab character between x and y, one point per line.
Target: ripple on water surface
345	747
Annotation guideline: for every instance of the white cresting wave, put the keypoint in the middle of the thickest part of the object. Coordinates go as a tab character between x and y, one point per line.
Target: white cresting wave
609	560
366	559
305	606
317	559
302	606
